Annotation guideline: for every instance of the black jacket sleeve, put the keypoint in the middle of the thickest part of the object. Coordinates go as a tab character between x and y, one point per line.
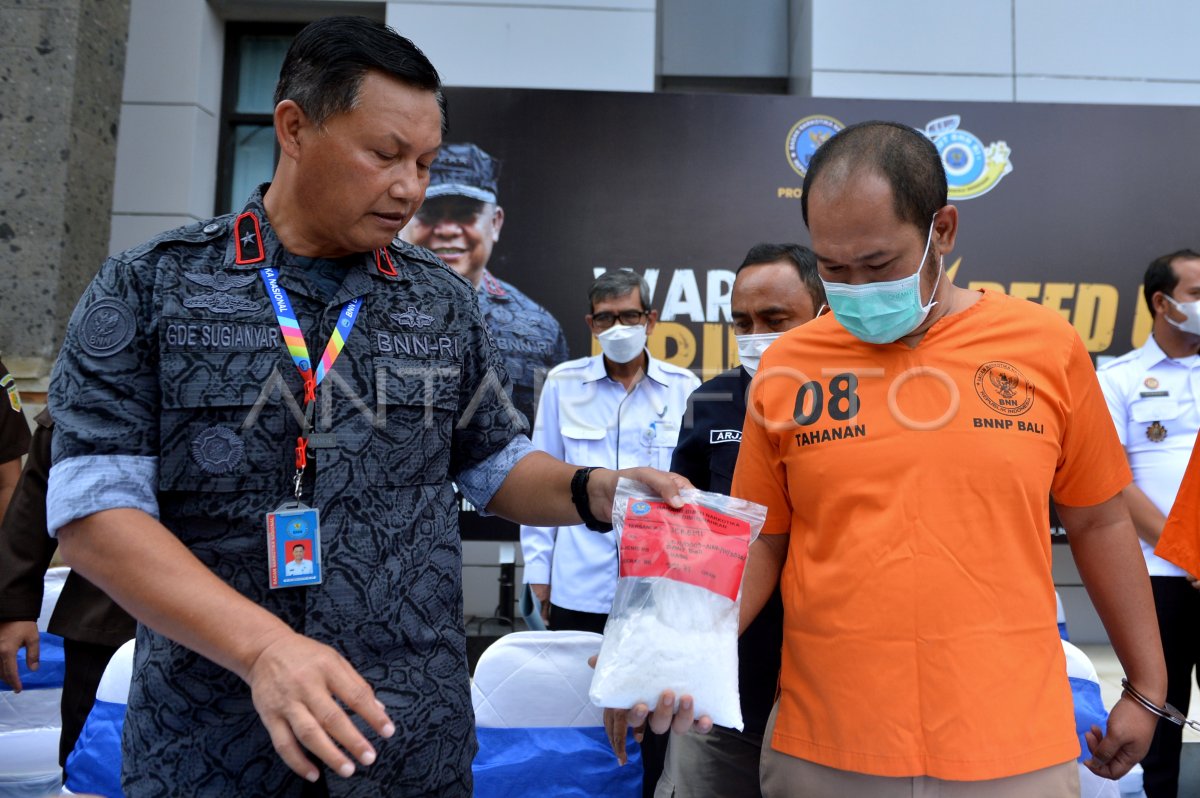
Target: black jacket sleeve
25	548
690	458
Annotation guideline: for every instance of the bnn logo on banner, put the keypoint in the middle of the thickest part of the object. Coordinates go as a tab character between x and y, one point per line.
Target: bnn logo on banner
1064	205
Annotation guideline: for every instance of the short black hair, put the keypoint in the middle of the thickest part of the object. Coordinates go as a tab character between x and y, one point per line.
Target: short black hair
298	546
803	259
902	156
326	62
1161	276
618	283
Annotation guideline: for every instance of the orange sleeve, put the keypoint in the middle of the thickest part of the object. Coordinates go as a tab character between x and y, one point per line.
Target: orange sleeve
760	475
1180	540
1092	467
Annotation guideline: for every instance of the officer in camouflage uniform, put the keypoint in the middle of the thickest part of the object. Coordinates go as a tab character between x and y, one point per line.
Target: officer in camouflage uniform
460	221
185	416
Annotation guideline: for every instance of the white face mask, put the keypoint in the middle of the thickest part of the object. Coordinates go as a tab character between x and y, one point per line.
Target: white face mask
621	344
1191	310
751	348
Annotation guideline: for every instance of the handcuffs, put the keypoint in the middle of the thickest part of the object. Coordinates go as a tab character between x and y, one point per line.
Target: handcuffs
1166	711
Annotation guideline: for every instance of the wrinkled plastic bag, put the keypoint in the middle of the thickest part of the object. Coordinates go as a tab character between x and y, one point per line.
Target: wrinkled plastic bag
674	621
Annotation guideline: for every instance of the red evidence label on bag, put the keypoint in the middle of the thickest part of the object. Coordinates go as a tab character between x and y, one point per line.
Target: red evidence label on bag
695	545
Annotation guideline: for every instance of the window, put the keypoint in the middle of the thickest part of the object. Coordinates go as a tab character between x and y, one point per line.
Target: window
254	53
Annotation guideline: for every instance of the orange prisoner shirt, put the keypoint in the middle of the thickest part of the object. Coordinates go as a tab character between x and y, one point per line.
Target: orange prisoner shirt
1180	539
919	629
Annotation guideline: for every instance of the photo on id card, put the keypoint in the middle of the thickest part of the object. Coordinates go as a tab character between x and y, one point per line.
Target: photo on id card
294	546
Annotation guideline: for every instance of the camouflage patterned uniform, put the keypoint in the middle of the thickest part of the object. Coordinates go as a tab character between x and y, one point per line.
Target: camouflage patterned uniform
174	394
529	339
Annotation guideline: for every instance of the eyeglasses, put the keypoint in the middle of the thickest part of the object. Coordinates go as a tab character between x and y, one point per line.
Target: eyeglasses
604	320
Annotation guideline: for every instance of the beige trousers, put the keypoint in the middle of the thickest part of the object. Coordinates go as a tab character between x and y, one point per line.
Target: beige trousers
785	776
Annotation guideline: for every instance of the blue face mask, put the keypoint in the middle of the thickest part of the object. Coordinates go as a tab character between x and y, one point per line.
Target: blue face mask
880	313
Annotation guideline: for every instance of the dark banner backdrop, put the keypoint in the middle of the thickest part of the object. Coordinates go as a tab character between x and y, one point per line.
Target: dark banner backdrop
678	187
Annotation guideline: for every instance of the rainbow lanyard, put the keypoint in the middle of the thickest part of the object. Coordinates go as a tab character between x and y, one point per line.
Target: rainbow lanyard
295	339
299	352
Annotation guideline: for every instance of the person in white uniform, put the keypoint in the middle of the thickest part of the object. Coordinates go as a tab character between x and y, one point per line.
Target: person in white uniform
616	409
1154	395
298	566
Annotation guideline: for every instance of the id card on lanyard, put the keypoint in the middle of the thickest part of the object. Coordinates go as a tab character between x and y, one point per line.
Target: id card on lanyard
294	528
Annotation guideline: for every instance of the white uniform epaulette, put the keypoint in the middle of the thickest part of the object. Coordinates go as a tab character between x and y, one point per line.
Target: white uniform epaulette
569	365
671	367
1125	358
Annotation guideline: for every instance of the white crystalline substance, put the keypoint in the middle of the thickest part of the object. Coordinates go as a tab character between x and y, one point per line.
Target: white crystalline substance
671	636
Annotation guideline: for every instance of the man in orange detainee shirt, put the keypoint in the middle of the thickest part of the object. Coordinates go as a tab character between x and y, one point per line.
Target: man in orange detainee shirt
906	447
1180	539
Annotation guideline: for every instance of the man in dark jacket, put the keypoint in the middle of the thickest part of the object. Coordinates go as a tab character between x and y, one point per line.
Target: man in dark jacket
91	624
776	289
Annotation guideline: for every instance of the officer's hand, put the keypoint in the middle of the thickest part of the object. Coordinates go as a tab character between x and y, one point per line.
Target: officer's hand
296	684
1130	728
602	487
15	635
542	594
1193	581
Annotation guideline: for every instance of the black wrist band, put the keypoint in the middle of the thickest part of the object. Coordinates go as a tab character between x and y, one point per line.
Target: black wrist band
579	498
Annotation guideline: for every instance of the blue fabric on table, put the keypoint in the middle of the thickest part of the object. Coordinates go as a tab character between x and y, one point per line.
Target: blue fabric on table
574	762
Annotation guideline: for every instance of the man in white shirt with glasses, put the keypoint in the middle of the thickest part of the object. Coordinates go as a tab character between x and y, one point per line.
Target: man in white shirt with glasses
617	409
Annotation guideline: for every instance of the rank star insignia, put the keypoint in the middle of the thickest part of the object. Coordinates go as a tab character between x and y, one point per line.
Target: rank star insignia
1156	432
248	240
1151	383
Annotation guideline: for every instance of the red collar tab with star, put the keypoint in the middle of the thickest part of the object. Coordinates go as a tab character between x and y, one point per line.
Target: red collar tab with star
248	239
383	262
492	285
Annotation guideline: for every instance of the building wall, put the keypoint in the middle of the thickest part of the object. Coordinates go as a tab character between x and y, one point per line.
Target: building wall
1006	50
170	116
990	50
535	44
60	72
